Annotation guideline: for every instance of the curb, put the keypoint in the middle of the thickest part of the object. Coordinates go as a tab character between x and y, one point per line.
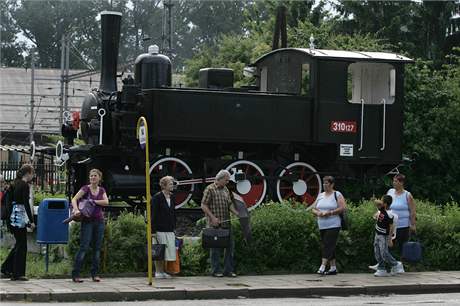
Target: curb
252	293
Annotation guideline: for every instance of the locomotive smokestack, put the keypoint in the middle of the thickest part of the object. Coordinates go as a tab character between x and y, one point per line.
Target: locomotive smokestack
110	32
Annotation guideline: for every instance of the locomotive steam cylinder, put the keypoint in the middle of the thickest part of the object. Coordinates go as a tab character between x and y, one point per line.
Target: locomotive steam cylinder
153	70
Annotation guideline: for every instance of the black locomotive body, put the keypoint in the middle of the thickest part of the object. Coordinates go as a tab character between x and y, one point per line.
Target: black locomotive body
311	112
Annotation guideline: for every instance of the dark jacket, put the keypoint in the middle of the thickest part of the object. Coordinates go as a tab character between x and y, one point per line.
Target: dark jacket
163	217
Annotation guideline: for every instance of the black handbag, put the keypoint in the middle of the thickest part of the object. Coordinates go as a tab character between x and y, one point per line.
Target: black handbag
158	251
343	216
216	238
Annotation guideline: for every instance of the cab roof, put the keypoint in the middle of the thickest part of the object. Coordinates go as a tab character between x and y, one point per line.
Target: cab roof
342	55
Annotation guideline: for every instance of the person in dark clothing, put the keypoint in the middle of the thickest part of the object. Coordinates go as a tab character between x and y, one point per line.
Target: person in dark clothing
14	265
382	239
164	223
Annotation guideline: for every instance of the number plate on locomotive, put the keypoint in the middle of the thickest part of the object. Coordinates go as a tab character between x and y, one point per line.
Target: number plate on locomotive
343	126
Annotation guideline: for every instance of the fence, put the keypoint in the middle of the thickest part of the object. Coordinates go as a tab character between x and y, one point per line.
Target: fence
48	177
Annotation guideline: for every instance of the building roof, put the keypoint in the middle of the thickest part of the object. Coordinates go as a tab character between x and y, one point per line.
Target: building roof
343	55
15	97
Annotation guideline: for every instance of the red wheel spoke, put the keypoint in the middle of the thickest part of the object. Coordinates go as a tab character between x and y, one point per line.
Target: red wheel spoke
302	173
291	193
173	169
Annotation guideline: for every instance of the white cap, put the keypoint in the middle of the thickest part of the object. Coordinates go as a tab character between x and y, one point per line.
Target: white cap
153	49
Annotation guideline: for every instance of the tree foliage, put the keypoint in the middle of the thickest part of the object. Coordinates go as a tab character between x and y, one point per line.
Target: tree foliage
432	129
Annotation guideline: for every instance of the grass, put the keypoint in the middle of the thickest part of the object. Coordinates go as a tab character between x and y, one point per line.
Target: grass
35	265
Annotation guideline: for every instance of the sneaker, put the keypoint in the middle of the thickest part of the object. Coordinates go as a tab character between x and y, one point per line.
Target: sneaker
374	267
320	272
159	275
381	273
217	275
398	269
166	275
333	272
231	274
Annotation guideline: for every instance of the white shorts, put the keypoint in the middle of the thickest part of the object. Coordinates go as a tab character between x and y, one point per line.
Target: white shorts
169	239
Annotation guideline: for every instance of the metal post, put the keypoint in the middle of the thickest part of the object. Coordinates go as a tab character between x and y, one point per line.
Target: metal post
61	93
66	88
143	122
47	258
32	101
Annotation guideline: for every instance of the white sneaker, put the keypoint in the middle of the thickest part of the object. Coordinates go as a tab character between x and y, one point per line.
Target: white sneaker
374	267
381	273
159	275
398	269
166	275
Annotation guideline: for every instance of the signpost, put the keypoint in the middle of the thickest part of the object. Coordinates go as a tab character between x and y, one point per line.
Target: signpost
143	136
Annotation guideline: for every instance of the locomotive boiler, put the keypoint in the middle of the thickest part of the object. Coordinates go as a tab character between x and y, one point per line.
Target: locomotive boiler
310	112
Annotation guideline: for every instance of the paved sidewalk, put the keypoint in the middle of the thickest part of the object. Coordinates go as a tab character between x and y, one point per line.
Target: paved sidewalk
266	286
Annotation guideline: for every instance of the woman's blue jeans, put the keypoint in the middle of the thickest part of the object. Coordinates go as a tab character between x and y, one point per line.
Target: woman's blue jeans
90	232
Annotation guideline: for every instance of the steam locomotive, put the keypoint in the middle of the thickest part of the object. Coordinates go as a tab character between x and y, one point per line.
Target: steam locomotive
310	112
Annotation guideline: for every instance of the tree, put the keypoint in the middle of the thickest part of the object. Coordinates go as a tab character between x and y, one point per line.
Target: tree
11	50
44	23
432	129
411	27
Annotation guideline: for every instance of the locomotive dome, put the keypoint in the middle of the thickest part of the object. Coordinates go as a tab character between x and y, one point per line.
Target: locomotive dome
153	70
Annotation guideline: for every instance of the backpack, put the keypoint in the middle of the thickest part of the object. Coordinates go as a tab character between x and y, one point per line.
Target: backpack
7	199
343	215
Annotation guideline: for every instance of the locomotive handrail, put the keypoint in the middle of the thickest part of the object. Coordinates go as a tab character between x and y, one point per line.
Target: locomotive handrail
384	123
362	126
101	112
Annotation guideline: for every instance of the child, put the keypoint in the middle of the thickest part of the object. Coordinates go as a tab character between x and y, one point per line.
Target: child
383	232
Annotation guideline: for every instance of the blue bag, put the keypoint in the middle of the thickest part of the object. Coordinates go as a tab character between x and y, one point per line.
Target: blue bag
18	216
412	251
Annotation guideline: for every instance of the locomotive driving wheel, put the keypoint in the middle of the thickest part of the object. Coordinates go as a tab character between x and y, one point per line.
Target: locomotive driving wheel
300	182
178	169
253	187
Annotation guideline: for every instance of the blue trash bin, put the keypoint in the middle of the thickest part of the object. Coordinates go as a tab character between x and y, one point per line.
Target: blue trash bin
50	229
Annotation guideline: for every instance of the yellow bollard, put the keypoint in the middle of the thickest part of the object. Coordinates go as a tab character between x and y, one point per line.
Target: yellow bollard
143	135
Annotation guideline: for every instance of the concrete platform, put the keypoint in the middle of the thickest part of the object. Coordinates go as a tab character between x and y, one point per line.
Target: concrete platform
265	286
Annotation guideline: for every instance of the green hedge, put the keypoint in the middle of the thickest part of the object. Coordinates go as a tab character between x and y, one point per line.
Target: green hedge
286	239
124	245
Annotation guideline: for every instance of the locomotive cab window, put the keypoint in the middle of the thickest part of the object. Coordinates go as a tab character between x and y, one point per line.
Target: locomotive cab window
371	82
305	83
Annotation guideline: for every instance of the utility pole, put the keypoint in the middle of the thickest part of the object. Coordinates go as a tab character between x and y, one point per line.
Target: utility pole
32	101
66	88
61	93
167	34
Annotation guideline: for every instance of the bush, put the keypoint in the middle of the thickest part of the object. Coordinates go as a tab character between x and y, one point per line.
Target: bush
286	240
124	245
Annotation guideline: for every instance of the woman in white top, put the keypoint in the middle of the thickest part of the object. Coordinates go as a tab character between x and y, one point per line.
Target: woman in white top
327	208
404	206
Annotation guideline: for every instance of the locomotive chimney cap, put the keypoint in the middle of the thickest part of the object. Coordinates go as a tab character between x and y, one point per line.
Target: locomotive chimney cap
153	49
111	13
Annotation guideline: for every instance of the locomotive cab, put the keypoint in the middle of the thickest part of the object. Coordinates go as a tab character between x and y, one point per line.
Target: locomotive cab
357	97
